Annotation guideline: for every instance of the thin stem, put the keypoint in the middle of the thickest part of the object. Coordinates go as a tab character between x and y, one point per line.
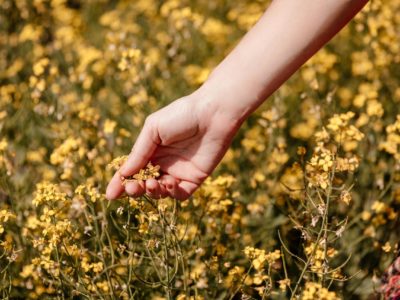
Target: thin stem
241	282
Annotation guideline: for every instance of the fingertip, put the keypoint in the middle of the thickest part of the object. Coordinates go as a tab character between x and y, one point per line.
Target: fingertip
134	189
171	185
114	188
169	182
110	195
151	183
152	188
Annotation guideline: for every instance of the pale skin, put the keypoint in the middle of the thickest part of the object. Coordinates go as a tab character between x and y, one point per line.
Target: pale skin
189	137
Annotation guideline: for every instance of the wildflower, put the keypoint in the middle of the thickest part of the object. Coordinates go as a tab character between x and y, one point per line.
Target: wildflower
3	144
340	231
347	164
195	74
97	267
379	207
4	217
258	278
392	142
284	283
345	197
60	154
88	190
234	275
314	291
301	151
386	247
109	126
48	193
133	203
27	271
129	58
117	162
148	172
374	108
120	210
259	257
322	136
103	285
39	66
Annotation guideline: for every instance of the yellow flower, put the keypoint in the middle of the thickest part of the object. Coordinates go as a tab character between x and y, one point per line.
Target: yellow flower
97	267
3	144
345	197
284	283
315	291
386	248
48	192
196	75
60	154
39	66
109	126
103	285
27	271
88	190
6	215
117	162
375	108
301	151
259	257
379	207
148	172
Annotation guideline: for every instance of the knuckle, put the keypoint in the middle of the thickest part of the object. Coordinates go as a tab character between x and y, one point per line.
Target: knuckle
150	119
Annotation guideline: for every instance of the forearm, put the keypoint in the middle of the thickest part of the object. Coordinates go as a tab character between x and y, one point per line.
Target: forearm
284	38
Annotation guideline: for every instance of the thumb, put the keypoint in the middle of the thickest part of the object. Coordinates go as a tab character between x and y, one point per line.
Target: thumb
143	149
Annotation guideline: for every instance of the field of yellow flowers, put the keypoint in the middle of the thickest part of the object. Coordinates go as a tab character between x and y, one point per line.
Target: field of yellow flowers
305	204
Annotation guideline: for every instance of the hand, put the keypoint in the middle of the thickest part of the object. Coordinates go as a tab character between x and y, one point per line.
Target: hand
187	139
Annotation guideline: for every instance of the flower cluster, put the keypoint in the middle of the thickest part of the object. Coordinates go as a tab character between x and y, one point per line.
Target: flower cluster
314	291
326	159
259	257
392	142
4	217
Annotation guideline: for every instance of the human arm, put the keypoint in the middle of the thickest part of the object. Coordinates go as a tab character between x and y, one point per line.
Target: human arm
189	137
284	38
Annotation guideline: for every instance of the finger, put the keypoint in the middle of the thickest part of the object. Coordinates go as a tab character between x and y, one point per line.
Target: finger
170	183
163	186
142	150
185	190
134	188
153	188
163	191
115	187
171	164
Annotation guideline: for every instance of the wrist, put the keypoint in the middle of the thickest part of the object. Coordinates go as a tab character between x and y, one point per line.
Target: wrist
225	99
213	106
